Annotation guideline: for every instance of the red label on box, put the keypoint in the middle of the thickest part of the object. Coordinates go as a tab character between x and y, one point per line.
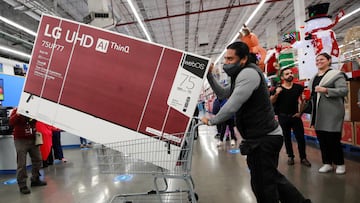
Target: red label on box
347	134
357	133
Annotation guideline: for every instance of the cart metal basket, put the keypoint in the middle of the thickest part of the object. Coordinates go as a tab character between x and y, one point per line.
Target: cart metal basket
155	156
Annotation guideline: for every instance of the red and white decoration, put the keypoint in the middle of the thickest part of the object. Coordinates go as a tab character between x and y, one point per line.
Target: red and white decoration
322	39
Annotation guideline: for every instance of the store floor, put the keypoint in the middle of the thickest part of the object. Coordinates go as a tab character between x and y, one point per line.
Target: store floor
220	175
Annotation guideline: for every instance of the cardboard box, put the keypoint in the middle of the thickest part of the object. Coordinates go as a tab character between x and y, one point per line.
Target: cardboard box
307	130
357	133
108	87
352	110
348	133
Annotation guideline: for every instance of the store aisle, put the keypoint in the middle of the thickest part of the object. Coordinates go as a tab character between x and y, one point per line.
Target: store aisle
220	175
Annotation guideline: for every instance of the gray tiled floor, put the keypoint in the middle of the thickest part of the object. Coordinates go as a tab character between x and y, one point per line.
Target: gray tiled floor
219	176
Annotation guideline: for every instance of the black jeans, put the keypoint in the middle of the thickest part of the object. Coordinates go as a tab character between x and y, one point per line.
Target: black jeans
330	147
231	124
288	123
56	144
267	183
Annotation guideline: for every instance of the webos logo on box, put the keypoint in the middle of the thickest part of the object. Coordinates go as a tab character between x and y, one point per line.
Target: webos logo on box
195	65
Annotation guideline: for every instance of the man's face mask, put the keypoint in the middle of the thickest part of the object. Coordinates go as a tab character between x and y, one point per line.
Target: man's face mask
232	69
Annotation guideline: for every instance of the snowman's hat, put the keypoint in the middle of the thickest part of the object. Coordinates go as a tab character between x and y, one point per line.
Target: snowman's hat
318	11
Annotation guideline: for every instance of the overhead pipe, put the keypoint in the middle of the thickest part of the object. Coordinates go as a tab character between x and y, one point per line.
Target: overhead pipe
112	25
17	39
222	25
170	27
187	25
196	12
8	52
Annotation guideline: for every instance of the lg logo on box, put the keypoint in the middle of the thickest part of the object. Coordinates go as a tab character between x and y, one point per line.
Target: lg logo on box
102	45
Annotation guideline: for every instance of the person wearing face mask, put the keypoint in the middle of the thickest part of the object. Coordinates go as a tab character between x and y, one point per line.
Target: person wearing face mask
328	89
285	99
249	100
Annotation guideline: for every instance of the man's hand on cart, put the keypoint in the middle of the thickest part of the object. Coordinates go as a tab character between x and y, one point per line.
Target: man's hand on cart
205	121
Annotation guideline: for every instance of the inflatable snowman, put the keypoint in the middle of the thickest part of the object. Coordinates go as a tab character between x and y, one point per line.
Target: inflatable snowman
318	38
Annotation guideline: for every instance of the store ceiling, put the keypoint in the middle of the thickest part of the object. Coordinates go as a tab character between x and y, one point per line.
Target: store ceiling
174	23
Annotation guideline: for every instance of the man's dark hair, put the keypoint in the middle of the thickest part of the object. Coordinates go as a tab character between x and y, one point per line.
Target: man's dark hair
252	58
241	49
284	69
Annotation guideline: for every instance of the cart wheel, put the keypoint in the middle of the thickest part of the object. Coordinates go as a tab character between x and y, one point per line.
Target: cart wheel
196	197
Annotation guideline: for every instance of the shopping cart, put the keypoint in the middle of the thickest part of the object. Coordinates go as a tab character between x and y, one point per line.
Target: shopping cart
155	156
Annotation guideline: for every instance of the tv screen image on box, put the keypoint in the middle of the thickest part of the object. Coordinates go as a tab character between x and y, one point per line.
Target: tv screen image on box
18	71
1	89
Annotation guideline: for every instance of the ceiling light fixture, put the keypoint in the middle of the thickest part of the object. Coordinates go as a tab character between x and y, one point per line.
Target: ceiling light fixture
349	14
6	49
139	20
246	23
5	20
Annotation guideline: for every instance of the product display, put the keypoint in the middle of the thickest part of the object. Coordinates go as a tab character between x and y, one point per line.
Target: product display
83	80
5	129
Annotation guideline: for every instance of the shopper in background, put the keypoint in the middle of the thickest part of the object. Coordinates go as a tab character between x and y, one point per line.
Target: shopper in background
328	89
201	106
285	99
195	121
84	143
46	147
230	123
249	99
215	109
56	142
24	139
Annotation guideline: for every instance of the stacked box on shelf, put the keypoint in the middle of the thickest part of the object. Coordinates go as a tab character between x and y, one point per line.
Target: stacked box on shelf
348	133
307	129
357	133
352	110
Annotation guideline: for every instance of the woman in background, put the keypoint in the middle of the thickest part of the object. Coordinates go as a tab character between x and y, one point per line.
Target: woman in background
45	148
328	89
56	145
